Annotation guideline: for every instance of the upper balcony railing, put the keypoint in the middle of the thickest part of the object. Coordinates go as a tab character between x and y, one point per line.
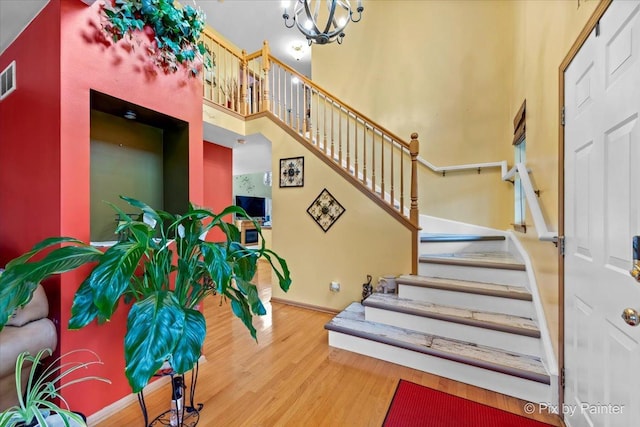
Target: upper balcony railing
381	163
258	83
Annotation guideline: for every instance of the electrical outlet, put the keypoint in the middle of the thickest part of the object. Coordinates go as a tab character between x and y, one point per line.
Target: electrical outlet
334	287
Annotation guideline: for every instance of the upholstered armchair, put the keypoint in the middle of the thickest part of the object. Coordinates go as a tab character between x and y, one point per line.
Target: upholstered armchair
30	330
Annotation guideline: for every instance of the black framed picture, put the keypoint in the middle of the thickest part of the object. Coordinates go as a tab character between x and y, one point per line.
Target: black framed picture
292	172
325	210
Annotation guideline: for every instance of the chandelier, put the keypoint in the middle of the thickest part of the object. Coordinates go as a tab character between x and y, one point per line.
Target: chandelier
324	26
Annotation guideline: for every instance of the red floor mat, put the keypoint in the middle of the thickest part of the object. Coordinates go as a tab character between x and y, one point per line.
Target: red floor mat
416	406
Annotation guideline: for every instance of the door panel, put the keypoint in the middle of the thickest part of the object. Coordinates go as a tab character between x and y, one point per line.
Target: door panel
602	214
582	212
618	215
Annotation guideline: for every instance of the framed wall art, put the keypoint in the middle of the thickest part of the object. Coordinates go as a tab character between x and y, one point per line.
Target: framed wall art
325	210
292	172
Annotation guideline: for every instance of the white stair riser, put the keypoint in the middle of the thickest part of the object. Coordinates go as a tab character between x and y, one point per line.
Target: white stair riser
466	300
531	391
451	247
433	224
472	334
475	274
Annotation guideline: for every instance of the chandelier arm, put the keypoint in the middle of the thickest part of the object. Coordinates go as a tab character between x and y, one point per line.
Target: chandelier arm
314	17
286	17
316	12
331	20
360	10
308	32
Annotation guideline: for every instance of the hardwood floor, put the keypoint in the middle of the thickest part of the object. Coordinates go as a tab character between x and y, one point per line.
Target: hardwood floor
291	377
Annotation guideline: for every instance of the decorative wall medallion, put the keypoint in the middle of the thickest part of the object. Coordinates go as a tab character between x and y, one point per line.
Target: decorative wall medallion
292	172
325	210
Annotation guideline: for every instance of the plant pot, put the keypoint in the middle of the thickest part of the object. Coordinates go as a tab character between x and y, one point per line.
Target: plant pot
55	421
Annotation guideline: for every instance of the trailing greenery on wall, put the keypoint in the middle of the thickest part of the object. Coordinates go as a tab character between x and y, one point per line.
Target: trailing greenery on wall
174	32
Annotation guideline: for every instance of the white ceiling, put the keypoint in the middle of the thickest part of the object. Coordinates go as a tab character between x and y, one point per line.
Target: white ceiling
251	155
14	16
246	23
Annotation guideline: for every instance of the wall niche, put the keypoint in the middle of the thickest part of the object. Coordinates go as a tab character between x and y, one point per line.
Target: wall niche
135	152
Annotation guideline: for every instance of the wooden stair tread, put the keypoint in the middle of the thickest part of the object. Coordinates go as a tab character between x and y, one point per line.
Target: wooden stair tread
482	319
445	237
499	259
351	321
479	288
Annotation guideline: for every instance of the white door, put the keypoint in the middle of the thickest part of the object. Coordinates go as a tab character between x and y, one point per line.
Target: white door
602	214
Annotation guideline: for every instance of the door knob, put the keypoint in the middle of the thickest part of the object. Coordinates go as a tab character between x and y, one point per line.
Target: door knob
635	270
631	317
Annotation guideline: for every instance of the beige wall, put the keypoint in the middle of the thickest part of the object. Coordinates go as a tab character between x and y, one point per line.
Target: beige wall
457	72
442	69
220	118
544	34
364	240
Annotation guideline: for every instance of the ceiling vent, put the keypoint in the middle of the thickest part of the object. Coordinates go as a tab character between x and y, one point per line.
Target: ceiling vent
8	80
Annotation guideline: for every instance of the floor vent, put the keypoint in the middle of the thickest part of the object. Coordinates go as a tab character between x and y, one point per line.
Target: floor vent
8	80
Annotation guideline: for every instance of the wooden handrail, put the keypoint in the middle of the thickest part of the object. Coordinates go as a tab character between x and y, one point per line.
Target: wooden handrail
254	55
380	167
328	95
365	153
222	42
255	83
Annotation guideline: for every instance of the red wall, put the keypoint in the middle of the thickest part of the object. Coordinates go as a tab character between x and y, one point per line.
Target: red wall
30	145
87	62
218	176
30	138
45	156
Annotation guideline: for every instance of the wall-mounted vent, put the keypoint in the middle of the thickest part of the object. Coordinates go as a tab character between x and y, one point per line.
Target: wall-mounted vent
8	80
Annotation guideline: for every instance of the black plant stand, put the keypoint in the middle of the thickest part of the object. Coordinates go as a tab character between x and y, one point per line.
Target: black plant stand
190	413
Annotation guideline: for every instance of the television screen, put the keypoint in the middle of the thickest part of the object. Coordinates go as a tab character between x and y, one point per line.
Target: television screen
254	206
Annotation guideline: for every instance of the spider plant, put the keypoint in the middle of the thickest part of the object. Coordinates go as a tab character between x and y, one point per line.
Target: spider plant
36	407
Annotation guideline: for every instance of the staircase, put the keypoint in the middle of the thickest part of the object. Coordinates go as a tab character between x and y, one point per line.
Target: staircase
470	311
468	315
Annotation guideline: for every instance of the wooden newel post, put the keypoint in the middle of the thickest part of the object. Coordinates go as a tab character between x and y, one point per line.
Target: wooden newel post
266	66
414	149
244	78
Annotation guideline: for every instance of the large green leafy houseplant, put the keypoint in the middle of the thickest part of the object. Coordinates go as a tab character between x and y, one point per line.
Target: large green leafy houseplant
174	31
165	268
